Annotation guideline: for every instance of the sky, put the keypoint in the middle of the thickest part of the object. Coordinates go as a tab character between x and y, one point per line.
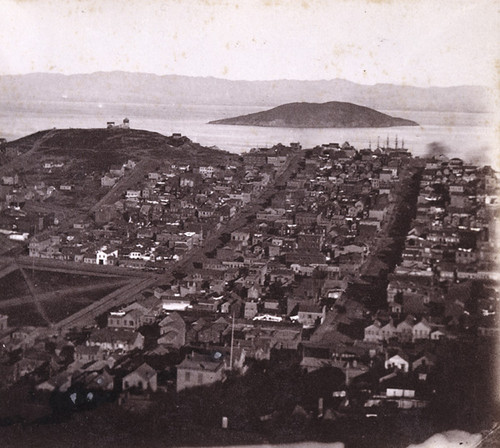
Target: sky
415	42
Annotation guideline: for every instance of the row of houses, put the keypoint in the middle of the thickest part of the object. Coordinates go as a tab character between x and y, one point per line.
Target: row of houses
405	331
450	246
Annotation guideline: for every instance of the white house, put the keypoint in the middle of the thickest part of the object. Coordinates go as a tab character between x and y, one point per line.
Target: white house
310	314
251	310
143	378
436	335
199	370
206	171
422	330
61	382
106	256
392	392
108	181
398	361
373	332
389	331
130	164
405	331
116	339
133	194
175	303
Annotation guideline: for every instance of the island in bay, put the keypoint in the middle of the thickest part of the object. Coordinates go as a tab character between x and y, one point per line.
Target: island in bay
333	114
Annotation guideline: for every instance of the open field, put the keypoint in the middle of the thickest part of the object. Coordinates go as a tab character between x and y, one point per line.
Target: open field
58	294
56	310
68	306
13	285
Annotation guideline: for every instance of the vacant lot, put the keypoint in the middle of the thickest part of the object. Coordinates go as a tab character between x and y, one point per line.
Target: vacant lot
56	309
24	315
49	281
13	284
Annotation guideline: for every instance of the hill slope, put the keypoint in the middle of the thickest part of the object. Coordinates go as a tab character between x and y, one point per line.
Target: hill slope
98	149
84	156
333	114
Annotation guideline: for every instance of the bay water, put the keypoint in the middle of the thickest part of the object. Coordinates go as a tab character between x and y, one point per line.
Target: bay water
470	136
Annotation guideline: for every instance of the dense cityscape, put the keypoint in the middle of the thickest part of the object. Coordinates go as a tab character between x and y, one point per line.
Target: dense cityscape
285	294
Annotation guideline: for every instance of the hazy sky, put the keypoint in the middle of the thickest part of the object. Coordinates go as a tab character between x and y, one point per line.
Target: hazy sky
418	42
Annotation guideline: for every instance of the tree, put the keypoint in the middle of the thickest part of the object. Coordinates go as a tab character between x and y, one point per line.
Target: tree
179	275
321	383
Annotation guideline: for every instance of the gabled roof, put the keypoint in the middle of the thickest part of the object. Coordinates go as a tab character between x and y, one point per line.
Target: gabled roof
145	371
428	356
389	326
169	336
404	324
87	350
172	318
59	380
423	323
310	308
401	355
200	362
113	335
94	380
399	382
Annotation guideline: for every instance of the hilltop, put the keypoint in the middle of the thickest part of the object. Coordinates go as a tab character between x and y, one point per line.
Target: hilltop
67	165
333	114
98	149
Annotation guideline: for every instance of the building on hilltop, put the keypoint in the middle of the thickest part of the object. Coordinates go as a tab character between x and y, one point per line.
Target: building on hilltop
112	125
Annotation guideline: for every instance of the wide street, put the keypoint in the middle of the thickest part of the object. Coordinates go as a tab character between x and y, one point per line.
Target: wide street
139	281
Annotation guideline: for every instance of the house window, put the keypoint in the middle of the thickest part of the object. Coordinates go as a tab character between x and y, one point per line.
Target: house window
187	377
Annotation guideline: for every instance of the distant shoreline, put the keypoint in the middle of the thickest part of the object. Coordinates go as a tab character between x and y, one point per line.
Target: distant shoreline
469	135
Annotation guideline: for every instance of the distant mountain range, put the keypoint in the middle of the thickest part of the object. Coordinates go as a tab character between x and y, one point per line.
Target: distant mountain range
333	114
125	87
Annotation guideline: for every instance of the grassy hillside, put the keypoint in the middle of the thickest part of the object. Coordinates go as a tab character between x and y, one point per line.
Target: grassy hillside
87	154
98	149
333	114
